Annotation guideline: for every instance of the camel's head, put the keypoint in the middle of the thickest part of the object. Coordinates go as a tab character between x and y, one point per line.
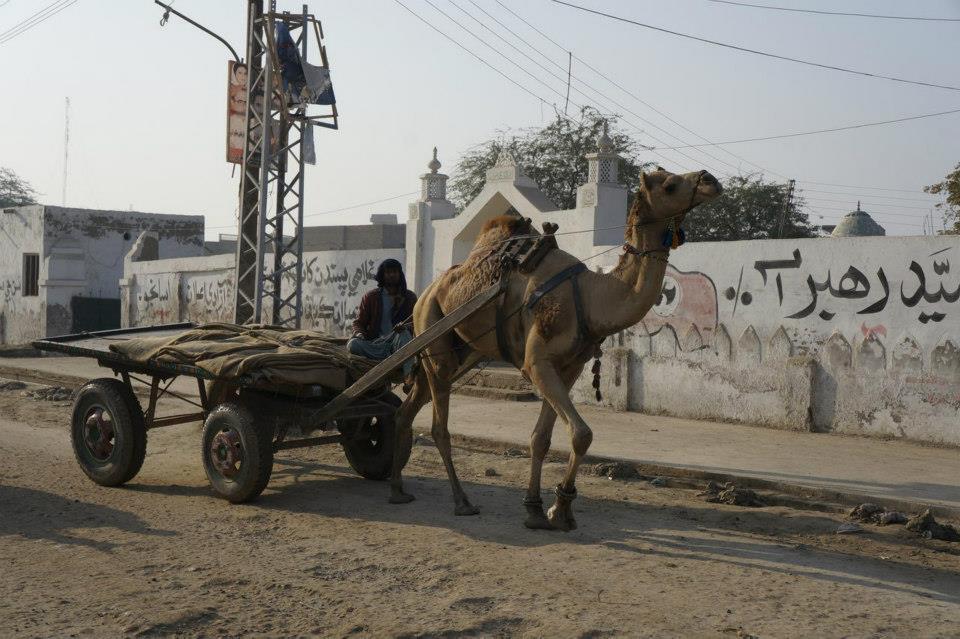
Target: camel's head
664	199
669	195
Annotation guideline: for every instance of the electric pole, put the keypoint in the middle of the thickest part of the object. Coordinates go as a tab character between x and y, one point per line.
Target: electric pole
787	203
276	127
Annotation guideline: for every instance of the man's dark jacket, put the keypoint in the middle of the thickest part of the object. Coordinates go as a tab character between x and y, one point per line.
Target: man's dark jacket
371	305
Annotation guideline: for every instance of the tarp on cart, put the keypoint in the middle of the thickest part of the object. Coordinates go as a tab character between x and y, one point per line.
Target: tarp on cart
268	354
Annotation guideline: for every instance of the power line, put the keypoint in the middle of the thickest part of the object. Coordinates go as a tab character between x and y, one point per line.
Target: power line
854	198
851	186
580	80
867	205
28	19
834	13
481	60
757	52
625	90
881	215
344	208
34	20
885	197
601	94
834	129
495	50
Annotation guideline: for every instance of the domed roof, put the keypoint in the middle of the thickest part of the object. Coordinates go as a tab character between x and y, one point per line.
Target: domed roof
857	224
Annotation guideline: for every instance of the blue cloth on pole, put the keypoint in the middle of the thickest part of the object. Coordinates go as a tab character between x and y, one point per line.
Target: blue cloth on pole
303	81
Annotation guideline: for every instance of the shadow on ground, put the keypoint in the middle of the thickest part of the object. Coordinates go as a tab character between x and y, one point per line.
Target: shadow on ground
37	514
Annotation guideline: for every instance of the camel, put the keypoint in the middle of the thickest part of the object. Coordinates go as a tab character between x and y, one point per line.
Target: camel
547	343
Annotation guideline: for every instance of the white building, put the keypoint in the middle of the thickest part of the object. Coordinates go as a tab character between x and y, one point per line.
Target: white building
59	266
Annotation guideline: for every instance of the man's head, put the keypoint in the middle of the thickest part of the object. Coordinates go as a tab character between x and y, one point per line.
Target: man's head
390	275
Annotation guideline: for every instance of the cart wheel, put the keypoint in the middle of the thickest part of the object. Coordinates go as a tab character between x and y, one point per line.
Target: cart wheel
237	452
107	430
368	444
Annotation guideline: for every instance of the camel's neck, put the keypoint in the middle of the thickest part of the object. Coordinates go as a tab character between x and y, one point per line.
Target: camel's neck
623	297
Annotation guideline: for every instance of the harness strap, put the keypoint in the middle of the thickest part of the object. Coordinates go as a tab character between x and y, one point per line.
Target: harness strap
554	282
578	307
503	344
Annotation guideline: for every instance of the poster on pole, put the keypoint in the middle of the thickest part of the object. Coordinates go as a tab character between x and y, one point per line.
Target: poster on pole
236	110
237	113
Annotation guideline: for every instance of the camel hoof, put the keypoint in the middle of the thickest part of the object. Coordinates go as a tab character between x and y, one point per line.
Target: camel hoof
561	520
537	521
465	509
401	498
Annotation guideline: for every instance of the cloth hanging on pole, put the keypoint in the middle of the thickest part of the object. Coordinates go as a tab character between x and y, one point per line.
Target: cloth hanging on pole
302	81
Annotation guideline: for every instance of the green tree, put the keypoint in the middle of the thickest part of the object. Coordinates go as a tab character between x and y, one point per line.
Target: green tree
949	188
749	209
14	190
553	157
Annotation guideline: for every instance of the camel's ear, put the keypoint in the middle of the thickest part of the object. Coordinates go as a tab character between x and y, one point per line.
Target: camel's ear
644	181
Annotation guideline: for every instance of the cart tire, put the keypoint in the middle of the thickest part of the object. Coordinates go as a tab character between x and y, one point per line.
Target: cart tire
372	456
237	452
108	432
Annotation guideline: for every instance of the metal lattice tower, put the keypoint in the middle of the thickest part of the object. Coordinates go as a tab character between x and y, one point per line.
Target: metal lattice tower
270	235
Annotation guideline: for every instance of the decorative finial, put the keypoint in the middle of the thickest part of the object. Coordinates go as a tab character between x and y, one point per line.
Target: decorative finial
605	144
858	206
505	158
434	165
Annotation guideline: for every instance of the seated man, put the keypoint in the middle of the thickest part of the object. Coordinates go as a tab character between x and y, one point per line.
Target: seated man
378	331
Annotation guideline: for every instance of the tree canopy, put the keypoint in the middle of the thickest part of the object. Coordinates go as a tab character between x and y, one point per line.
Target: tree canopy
14	190
949	188
749	209
552	156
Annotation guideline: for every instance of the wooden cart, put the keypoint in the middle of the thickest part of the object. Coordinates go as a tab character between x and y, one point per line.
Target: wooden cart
243	428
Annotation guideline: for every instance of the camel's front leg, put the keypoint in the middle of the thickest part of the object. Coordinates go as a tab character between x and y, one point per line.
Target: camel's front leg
544	374
539	447
440	389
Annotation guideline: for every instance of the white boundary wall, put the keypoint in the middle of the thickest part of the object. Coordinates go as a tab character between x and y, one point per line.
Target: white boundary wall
201	289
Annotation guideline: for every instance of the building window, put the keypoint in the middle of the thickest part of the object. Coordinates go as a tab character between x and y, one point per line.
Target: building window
31	274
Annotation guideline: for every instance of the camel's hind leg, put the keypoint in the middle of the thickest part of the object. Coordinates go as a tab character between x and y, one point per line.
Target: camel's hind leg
444	369
403	434
544	374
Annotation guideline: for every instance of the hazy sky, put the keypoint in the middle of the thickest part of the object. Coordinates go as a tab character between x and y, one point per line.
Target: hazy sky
148	102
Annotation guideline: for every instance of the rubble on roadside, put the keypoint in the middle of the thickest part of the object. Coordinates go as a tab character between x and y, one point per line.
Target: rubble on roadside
615	470
730	494
925	525
50	394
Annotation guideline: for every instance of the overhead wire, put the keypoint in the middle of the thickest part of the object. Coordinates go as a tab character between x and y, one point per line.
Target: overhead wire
834	13
630	93
501	54
767	54
875	195
574	77
854	186
818	131
37	18
866	203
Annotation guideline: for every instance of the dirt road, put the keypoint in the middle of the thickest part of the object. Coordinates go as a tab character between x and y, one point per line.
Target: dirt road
322	553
